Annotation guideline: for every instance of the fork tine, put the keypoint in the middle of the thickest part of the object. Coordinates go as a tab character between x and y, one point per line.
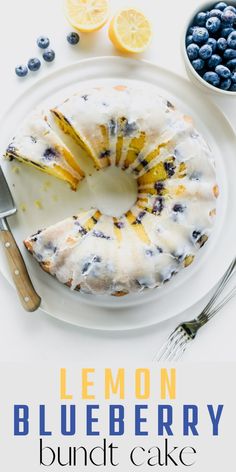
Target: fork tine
177	347
182	350
166	345
171	346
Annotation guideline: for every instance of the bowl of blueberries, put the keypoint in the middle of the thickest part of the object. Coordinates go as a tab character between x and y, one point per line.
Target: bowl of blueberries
210	47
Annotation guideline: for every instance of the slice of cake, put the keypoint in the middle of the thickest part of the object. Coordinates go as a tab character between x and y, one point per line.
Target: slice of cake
38	145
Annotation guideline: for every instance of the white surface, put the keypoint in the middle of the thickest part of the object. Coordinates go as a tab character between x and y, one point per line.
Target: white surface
37	336
181	292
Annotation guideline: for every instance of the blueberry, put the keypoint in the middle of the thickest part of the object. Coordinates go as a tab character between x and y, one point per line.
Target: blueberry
73	38
196	234
231	8
233	88
221	6
191	29
200	35
214	61
21	71
232	65
189	39
201	18
49	55
213	43
232	40
213	24
222	44
225	32
233	77
178	208
228	17
229	54
205	52
193	51
212	78
225	84
223	72
34	64
198	64
43	42
216	13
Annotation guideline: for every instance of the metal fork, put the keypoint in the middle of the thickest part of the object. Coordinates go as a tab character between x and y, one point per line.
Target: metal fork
176	344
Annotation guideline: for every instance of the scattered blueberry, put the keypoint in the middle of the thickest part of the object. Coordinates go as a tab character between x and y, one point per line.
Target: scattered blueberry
34	64
43	42
73	38
232	40
222	44
223	72
49	55
213	24
212	78
230	54
205	52
233	88
193	51
231	65
221	6
225	32
213	43
189	39
215	13
198	64
214	61
21	70
225	84
200	35
201	18
228	17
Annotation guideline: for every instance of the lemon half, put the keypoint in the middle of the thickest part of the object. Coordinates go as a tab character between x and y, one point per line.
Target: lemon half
130	31
87	15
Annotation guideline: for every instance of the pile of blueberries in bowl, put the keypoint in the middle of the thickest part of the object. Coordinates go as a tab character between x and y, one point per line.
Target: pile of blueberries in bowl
210	45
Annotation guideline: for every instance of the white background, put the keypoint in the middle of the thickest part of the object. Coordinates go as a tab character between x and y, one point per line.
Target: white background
37	337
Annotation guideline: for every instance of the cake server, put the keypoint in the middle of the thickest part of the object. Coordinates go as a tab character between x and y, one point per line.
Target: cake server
27	294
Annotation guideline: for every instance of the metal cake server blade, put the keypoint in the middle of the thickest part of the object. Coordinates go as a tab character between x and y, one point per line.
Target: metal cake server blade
27	294
7	205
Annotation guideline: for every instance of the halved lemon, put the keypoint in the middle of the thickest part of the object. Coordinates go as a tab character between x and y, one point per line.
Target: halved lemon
130	31
87	15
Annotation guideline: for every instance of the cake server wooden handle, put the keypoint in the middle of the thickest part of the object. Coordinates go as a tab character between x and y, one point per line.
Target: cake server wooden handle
30	300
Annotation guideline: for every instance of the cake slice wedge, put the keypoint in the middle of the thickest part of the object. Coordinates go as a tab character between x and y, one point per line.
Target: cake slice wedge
38	145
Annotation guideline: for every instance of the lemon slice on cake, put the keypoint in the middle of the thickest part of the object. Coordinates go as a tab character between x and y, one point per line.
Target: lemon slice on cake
130	31
87	15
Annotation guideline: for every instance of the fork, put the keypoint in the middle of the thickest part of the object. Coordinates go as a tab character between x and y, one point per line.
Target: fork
175	346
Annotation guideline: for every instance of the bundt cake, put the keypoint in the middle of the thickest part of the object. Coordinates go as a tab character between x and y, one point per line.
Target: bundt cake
131	127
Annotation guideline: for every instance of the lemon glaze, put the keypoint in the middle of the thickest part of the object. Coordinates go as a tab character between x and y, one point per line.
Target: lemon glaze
146	136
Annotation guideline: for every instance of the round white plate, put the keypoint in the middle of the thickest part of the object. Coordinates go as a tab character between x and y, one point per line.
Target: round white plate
29	186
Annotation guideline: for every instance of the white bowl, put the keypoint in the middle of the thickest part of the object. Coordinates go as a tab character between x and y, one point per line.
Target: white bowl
193	75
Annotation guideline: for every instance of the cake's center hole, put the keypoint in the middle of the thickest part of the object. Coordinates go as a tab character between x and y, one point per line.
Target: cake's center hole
113	191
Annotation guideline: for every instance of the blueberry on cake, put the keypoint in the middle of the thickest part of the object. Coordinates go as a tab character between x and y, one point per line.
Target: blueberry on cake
135	129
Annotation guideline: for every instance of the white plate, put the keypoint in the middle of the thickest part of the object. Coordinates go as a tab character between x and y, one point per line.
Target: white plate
183	290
